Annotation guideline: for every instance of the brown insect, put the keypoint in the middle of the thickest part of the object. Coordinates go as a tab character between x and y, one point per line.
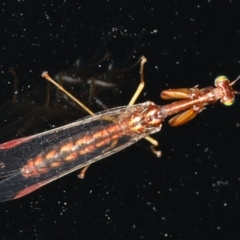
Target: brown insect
32	162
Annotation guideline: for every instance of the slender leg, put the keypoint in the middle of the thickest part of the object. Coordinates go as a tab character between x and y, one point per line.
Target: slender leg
141	84
83	171
46	76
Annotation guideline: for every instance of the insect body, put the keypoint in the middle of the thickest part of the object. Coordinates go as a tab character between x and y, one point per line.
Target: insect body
32	162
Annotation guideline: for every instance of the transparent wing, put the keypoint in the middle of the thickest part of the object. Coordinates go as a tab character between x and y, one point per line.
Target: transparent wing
100	135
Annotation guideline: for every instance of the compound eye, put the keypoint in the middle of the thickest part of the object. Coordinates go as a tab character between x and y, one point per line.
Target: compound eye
228	102
220	79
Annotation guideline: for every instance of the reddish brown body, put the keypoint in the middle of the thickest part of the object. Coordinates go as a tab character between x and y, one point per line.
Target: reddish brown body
42	158
133	121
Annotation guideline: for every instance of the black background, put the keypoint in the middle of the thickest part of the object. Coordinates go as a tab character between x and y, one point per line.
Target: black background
192	191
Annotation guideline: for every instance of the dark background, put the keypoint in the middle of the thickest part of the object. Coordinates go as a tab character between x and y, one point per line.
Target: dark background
192	191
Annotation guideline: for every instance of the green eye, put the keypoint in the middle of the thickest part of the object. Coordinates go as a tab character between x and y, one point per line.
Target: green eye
221	79
227	95
229	102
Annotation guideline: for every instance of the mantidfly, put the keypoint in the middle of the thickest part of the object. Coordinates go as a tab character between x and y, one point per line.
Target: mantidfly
32	162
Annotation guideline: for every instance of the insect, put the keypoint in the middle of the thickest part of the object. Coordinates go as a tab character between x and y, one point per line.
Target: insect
32	162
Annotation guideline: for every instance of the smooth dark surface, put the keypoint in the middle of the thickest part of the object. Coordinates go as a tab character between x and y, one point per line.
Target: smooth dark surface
193	190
